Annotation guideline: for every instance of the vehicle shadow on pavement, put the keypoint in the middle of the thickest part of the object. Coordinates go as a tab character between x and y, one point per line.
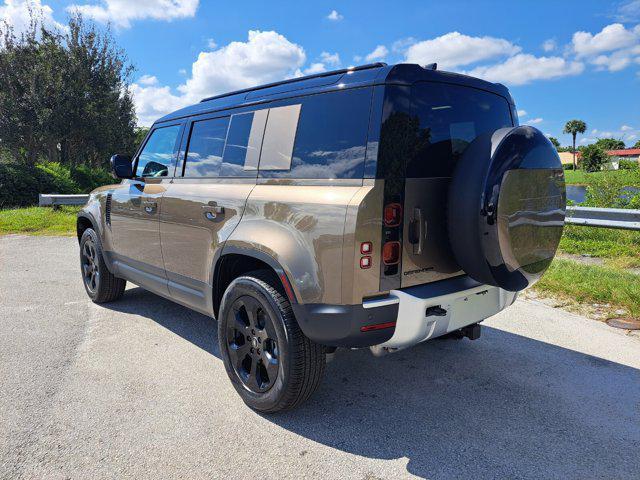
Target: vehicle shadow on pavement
504	406
194	327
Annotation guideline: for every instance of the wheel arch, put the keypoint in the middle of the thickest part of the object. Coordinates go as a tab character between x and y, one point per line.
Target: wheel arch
235	262
85	220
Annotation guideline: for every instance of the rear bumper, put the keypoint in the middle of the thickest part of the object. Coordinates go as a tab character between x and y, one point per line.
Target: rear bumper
426	312
400	319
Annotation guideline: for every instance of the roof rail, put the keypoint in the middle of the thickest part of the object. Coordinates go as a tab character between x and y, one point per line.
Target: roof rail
298	79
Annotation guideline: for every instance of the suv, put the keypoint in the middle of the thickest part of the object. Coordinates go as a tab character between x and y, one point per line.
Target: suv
376	206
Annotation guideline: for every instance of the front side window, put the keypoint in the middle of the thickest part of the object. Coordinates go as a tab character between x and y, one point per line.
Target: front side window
206	146
449	118
330	132
157	156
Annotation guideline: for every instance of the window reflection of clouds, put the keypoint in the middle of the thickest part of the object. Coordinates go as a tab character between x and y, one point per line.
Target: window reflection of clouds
206	144
331	136
158	152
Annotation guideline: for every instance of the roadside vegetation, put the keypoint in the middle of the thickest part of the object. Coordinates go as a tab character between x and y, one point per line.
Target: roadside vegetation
39	221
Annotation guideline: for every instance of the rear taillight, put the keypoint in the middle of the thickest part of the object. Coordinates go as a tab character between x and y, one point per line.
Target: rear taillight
392	214
391	253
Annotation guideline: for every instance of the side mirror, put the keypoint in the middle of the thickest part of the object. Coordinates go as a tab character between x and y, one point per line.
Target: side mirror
121	166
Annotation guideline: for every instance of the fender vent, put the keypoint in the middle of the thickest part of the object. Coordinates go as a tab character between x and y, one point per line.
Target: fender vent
107	210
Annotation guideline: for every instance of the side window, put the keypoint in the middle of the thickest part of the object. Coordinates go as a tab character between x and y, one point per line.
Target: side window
206	146
242	150
277	146
157	156
330	137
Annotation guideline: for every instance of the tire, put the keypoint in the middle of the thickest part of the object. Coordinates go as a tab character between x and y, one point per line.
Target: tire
269	374
99	283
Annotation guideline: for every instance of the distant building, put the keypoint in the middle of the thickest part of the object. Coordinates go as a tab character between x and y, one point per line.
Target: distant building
626	154
567	157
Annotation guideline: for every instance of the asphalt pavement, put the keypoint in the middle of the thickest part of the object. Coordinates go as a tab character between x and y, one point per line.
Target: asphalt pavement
136	389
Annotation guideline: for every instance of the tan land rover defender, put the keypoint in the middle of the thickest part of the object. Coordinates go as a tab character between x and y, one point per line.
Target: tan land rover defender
377	206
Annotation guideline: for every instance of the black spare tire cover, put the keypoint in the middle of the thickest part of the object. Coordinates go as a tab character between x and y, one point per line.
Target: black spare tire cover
506	207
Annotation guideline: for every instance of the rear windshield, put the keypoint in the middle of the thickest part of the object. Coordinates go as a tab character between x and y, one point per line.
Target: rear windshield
450	117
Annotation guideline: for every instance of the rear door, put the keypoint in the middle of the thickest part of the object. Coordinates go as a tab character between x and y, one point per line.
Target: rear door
450	117
135	207
205	201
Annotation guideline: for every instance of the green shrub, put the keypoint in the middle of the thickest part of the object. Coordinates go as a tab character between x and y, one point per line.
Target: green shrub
89	179
629	165
568	166
20	184
593	158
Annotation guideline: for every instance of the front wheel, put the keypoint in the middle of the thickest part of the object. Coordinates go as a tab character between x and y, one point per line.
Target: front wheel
271	363
101	285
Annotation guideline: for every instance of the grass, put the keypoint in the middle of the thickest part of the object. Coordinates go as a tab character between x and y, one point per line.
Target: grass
629	178
592	284
39	221
618	247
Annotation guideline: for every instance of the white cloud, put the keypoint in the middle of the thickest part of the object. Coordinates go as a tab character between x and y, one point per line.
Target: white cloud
265	57
628	11
357	58
122	12
379	53
522	113
153	102
330	58
525	68
335	16
16	13
626	128
534	121
212	44
612	37
314	68
399	46
549	45
148	80
455	49
182	71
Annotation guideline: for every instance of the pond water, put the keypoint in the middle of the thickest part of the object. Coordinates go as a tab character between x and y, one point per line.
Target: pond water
578	193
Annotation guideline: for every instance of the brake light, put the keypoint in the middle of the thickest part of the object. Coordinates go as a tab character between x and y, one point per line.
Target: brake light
392	214
365	262
391	253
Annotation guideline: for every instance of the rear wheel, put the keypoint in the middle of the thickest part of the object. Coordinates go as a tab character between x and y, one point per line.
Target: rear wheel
100	284
271	363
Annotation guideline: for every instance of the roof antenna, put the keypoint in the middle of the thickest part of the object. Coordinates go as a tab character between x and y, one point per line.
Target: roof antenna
431	66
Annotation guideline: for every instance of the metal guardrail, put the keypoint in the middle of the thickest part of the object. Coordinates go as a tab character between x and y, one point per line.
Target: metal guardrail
621	218
54	200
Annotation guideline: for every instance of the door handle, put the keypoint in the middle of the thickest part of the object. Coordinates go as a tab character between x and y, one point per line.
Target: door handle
150	206
212	210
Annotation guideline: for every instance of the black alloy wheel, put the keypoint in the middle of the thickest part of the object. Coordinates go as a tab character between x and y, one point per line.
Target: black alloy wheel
253	344
90	266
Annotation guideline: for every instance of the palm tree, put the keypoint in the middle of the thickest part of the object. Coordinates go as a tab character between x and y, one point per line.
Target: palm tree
574	127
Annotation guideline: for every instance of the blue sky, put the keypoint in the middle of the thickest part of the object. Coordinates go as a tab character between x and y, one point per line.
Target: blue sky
561	60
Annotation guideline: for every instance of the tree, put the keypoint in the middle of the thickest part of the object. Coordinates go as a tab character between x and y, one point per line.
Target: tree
593	158
574	127
610	144
555	142
637	144
64	95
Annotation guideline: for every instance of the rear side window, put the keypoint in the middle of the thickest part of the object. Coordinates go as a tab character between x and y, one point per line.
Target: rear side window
242	150
449	118
329	140
225	146
157	156
206	146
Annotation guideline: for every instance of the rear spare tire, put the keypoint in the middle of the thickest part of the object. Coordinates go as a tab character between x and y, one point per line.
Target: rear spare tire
506	207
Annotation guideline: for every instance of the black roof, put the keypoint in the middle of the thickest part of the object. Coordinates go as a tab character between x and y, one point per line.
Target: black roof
365	75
